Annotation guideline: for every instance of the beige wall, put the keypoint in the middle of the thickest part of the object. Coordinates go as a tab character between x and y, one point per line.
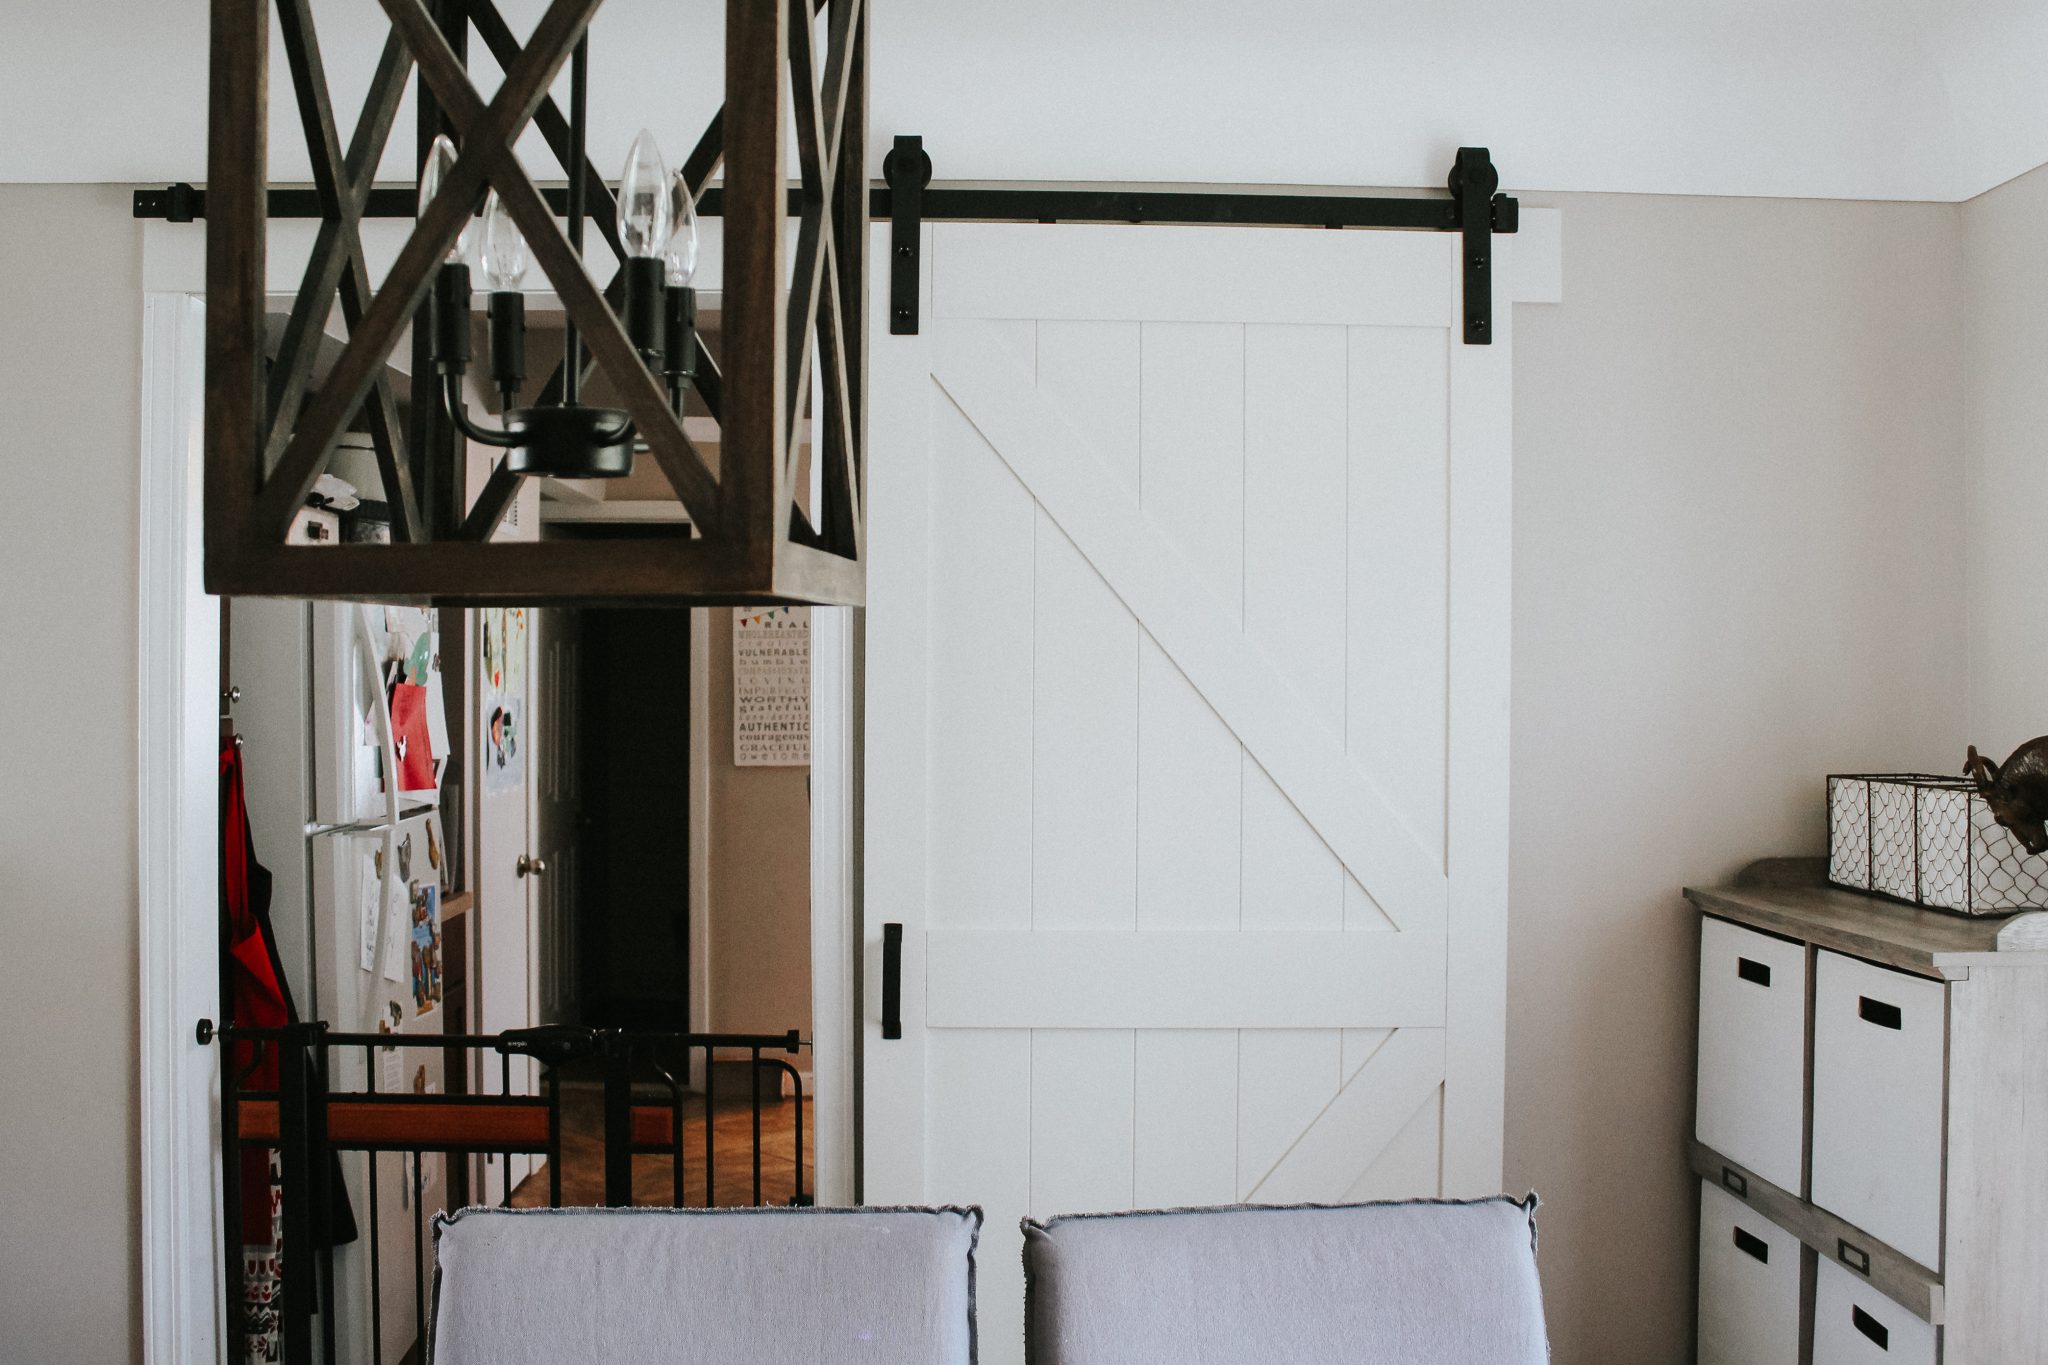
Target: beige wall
1738	567
760	913
70	380
1739	548
2006	415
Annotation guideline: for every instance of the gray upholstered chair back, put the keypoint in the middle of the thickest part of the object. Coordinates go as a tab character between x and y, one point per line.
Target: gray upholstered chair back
1424	1283
734	1286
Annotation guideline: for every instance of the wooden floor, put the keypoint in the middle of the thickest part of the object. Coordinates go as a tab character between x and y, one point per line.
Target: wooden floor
654	1176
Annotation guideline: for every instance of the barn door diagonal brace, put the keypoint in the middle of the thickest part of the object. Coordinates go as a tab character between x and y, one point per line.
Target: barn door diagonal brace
908	169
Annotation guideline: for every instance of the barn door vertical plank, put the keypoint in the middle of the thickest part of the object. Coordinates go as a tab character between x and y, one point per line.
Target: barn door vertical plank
893	1167
1294	488
1480	635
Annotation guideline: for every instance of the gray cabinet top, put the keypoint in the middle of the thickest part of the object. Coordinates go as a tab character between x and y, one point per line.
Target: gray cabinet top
1791	897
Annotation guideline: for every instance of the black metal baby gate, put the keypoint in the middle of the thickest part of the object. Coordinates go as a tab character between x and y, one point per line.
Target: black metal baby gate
311	1120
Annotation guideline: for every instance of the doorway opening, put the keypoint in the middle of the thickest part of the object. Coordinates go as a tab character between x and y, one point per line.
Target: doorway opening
673	891
584	763
614	818
649	853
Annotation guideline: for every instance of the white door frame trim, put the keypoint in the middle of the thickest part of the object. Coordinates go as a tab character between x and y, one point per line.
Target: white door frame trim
178	861
700	836
835	900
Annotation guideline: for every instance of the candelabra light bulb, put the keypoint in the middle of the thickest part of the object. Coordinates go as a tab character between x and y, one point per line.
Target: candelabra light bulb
504	252
643	199
680	257
440	165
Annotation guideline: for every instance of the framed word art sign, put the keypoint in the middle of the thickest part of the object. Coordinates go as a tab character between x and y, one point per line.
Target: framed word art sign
771	687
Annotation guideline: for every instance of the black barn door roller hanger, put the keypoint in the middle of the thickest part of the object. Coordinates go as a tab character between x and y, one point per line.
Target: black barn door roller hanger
1475	209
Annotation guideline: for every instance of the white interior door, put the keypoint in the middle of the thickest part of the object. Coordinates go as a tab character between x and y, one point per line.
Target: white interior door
506	930
1187	690
558	812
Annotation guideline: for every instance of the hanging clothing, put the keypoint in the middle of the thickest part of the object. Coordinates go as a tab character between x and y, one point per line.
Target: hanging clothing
258	996
256	989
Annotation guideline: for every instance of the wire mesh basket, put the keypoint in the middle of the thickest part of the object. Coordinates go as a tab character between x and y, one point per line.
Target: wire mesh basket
1929	840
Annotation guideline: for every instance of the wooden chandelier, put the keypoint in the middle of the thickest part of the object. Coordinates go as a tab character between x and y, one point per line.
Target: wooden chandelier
268	440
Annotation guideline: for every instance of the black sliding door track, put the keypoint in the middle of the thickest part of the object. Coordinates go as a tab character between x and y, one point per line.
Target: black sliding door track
908	198
970	203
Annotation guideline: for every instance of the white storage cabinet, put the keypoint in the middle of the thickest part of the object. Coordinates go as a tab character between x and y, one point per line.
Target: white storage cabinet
1872	1124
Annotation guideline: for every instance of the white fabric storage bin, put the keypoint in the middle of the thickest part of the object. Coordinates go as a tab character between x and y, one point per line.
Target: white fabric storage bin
1853	1324
1878	1092
1752	1054
1749	1285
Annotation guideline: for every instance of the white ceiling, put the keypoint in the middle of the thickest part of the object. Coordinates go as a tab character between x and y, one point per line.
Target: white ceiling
1881	99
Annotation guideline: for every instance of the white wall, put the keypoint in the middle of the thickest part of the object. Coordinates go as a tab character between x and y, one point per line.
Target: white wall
70	384
2006	288
1895	99
1738	567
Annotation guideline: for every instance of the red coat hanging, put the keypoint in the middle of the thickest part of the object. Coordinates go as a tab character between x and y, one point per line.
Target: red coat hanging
258	997
255	985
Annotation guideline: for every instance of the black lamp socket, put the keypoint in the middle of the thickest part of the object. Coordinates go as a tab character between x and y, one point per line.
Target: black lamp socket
643	306
508	340
448	318
682	332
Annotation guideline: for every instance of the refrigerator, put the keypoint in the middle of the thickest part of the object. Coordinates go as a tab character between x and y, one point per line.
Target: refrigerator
334	703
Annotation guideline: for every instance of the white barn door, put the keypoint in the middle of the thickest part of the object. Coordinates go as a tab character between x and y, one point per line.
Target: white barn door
1187	690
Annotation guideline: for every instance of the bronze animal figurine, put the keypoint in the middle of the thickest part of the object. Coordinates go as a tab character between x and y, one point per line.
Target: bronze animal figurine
2016	791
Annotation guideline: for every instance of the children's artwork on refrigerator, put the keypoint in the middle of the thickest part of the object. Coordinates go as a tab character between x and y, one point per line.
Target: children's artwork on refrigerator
411	671
404	650
426	948
504	696
370	900
398	890
391	1062
397	931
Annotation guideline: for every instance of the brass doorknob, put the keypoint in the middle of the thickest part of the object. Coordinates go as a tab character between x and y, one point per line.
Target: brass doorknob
530	866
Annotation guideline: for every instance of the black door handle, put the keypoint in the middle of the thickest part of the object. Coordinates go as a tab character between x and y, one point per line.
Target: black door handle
892	981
